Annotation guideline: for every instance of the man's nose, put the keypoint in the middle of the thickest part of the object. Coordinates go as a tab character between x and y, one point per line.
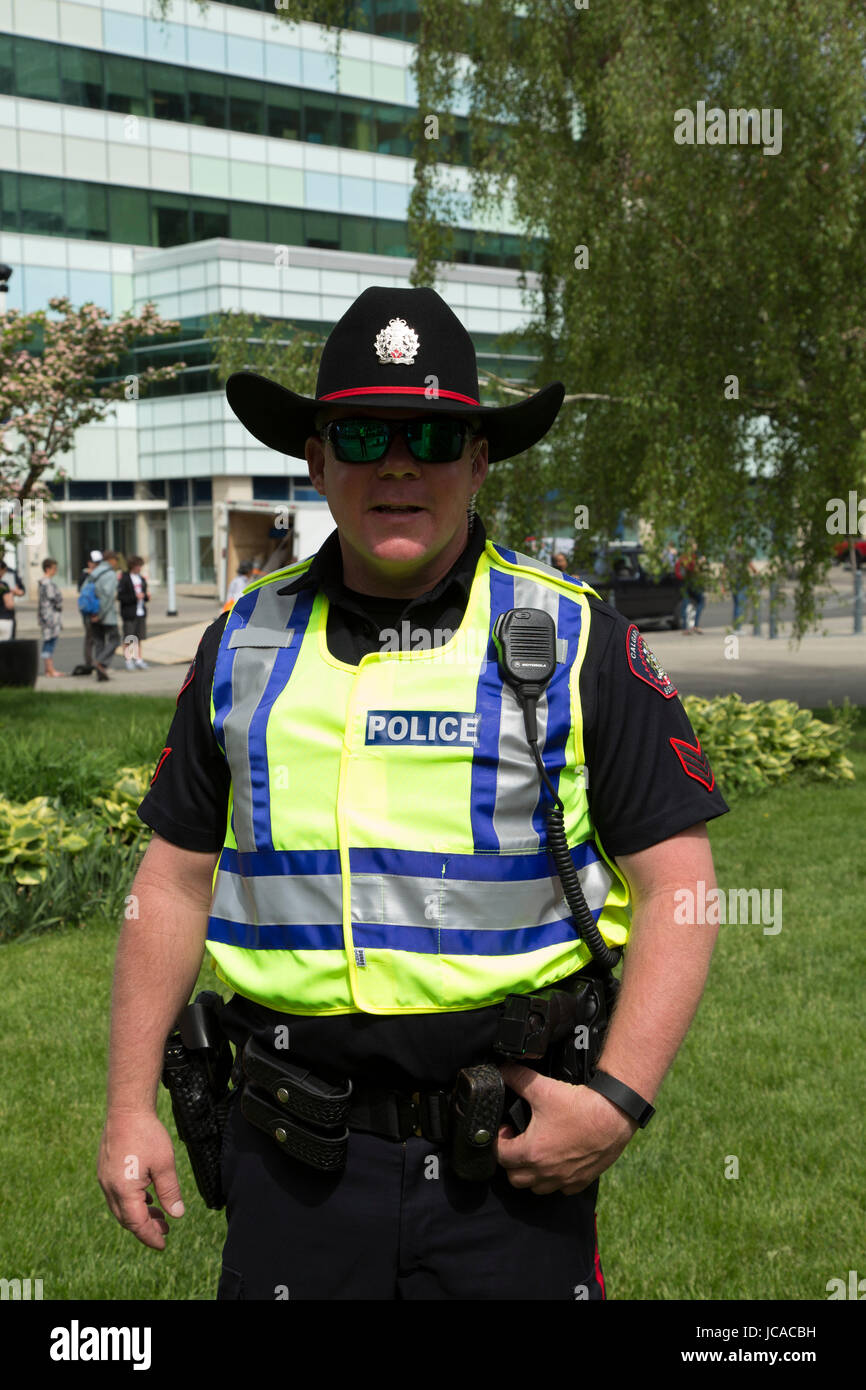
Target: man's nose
397	458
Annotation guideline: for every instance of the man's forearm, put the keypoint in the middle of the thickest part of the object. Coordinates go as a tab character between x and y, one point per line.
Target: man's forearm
664	972
158	958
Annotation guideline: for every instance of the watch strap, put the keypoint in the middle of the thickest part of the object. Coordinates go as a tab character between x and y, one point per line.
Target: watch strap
628	1100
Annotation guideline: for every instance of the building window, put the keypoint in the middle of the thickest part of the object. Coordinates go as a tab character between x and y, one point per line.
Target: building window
166	92
178	493
270	489
123	492
87	492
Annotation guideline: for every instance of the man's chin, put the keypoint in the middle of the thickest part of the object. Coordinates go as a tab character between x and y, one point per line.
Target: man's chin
400	550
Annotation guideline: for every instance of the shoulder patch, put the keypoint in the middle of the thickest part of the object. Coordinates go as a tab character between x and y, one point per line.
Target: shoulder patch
645	664
162	757
186	680
694	762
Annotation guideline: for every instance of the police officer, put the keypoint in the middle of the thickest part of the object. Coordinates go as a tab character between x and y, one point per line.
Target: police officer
348	758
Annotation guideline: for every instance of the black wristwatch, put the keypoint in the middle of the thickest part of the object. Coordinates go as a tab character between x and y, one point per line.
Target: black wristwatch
628	1100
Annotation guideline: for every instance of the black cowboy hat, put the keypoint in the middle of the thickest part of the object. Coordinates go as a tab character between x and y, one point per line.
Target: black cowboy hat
393	349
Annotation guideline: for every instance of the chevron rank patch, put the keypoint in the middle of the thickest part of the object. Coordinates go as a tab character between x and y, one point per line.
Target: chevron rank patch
645	664
162	757
694	762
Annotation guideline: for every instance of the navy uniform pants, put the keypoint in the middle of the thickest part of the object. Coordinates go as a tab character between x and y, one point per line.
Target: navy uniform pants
395	1224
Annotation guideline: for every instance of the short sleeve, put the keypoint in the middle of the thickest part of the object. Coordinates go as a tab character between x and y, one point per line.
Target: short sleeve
648	777
187	802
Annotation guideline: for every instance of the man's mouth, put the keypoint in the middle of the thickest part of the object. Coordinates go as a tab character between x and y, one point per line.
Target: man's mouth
401	508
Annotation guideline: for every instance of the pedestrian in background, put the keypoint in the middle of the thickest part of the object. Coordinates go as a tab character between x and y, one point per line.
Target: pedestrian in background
13	589
86	668
104	623
736	571
7	608
560	561
239	583
50	605
132	596
690	568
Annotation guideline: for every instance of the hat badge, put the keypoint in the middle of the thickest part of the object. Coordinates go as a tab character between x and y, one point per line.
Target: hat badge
398	343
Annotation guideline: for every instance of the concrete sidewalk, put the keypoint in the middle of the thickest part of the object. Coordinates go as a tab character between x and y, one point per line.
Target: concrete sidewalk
718	662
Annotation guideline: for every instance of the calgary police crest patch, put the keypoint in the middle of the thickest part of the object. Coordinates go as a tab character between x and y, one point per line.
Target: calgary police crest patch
645	665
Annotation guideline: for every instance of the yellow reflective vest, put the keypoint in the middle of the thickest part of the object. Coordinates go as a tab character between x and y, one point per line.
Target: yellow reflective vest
385	845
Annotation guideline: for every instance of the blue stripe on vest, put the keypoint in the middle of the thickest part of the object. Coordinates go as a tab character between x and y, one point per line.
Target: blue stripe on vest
509	555
222	677
488	704
275	936
464	941
403	863
257	745
558	709
283	862
500	868
425	941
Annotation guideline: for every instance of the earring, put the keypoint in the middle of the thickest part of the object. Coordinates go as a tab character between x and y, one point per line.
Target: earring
470	511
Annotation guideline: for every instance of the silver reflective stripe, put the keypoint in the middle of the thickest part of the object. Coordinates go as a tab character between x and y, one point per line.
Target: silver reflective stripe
268	899
260	637
396	900
251	672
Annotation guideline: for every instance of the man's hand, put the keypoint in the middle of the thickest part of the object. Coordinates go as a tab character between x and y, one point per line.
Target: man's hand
573	1136
136	1150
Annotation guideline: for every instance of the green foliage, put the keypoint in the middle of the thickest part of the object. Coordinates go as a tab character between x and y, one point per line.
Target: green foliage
115	811
26	834
66	865
753	745
704	263
285	354
77	888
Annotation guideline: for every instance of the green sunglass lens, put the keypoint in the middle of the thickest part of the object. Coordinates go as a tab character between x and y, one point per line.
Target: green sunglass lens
361	440
435	439
431	441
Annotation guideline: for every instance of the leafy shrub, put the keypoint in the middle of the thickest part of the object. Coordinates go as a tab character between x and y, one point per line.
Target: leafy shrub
69	867
28	832
77	889
116	809
757	744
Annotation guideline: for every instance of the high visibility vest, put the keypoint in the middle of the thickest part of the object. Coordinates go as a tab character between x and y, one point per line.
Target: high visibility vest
385	845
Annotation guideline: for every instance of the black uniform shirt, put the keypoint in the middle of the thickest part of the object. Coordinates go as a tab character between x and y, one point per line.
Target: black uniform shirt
642	788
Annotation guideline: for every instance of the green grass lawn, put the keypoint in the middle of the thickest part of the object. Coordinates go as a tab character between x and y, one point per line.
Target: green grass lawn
772	1074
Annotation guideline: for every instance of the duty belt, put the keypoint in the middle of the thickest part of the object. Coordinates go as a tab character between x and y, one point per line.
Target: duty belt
310	1116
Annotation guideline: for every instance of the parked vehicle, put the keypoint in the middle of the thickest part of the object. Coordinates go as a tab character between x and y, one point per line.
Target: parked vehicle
840	553
621	577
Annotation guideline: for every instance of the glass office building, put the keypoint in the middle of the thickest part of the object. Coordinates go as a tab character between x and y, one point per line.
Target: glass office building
170	161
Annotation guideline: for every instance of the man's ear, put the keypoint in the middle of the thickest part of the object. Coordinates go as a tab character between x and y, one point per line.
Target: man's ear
480	463
314	453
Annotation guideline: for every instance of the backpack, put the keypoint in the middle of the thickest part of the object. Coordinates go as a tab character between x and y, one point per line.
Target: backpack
88	602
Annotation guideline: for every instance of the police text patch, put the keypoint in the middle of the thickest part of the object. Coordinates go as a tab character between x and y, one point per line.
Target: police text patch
393	726
645	664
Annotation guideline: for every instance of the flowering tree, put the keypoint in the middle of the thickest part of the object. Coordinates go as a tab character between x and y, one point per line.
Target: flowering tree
49	369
